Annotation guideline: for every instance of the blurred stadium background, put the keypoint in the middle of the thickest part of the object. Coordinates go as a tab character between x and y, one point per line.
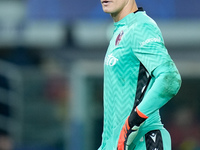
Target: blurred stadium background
51	72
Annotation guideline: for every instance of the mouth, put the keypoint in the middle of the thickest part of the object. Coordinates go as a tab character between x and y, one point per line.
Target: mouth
105	2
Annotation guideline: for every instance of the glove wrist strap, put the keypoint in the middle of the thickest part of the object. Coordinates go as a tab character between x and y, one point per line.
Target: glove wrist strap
136	118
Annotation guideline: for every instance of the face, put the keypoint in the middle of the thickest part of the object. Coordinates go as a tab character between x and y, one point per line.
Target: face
113	6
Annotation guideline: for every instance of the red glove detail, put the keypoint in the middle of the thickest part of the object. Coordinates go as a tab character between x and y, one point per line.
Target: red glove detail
130	131
123	136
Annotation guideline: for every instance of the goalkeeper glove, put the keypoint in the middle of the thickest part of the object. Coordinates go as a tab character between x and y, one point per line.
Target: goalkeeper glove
130	129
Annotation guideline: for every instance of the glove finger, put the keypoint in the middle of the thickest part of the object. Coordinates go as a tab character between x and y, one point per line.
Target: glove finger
131	137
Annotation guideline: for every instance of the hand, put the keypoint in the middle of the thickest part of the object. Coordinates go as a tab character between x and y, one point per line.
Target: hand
129	132
127	135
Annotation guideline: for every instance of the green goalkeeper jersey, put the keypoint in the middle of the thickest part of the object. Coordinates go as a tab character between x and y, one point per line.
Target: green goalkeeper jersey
135	50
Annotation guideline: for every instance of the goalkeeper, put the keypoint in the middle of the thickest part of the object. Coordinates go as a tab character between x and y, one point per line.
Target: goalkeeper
139	78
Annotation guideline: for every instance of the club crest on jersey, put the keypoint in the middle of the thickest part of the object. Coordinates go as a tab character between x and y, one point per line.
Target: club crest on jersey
119	37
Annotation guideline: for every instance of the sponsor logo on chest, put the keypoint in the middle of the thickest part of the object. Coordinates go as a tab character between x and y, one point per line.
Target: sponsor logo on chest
110	60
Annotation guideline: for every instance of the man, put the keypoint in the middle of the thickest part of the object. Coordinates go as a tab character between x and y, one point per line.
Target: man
139	78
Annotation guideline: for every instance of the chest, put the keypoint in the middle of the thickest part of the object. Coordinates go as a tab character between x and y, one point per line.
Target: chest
119	52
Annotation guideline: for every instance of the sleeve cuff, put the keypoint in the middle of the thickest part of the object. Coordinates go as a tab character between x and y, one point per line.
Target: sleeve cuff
141	114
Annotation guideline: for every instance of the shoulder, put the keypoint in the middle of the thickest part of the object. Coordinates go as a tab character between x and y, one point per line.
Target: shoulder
142	17
144	22
145	27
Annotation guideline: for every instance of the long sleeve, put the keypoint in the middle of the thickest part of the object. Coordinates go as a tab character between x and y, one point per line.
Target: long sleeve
167	82
152	53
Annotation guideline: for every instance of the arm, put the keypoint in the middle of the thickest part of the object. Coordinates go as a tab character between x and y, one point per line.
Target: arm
166	85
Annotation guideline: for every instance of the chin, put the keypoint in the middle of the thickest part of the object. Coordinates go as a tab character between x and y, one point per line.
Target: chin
106	10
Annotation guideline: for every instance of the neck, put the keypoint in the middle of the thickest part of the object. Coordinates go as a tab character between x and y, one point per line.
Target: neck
130	7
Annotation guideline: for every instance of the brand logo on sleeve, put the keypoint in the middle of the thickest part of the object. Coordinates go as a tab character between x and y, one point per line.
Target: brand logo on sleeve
119	37
110	60
150	40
